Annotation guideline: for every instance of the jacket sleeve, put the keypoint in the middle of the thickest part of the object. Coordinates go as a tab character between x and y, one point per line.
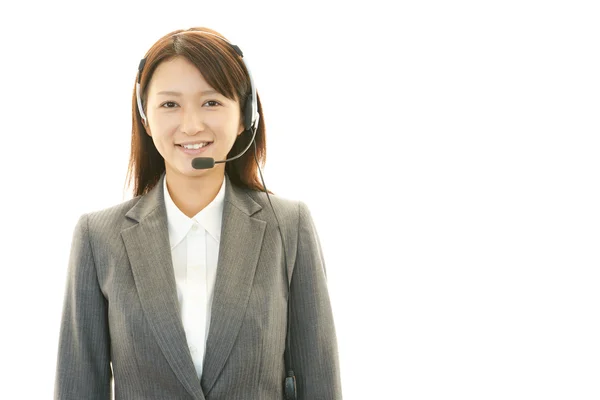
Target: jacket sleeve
313	339
83	363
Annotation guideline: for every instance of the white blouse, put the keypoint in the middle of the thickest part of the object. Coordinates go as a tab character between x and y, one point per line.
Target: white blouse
194	251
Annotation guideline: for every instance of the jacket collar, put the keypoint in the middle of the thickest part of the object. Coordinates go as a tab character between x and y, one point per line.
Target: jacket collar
148	203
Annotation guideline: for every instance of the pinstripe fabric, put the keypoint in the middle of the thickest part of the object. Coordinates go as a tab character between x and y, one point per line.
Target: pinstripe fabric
121	306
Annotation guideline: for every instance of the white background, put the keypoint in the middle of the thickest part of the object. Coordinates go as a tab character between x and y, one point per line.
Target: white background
449	153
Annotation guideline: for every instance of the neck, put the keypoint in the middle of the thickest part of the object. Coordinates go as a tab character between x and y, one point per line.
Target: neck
192	194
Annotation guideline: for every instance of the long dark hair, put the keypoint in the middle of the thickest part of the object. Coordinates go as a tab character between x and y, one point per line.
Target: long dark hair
225	71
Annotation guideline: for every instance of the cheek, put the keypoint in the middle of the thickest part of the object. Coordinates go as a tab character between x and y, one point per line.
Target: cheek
225	127
236	124
163	130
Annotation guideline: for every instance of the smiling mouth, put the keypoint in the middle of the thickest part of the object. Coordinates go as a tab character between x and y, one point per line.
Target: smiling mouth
195	146
194	149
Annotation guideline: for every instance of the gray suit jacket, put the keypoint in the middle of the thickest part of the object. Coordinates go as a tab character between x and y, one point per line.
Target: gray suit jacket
121	314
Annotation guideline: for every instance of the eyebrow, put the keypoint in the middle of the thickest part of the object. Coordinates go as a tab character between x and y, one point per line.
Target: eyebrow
172	93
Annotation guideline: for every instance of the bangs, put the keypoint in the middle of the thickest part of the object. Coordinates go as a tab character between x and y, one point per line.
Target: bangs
220	68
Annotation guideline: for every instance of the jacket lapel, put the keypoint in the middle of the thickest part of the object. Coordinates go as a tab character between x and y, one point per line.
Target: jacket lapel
149	251
239	249
147	244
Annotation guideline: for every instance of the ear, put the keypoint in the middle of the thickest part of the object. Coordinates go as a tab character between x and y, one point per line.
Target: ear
241	128
147	127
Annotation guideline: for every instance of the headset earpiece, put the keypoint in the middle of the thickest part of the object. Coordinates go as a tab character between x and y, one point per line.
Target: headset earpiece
248	114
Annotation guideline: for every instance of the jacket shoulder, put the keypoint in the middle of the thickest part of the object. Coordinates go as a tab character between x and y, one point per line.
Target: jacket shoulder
110	217
287	209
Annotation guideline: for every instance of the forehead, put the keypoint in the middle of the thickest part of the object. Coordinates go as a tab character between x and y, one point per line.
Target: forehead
177	74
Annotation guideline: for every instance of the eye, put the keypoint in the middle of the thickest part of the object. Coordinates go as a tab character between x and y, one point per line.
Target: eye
169	103
213	101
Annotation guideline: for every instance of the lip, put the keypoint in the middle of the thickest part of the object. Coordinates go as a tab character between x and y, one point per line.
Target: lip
194	151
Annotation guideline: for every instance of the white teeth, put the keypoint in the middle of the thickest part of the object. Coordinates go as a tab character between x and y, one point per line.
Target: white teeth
194	146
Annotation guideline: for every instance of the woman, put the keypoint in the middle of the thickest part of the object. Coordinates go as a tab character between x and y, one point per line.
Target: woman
182	292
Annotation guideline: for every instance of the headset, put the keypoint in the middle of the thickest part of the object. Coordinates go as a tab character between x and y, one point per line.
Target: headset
251	118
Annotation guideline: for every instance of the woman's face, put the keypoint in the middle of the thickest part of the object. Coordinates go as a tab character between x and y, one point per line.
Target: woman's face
183	109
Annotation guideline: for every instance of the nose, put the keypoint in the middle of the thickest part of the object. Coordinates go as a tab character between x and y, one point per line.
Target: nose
192	121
